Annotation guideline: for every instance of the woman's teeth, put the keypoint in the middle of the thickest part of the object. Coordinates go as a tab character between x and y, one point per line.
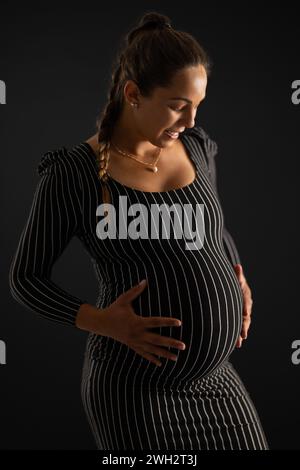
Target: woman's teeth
174	135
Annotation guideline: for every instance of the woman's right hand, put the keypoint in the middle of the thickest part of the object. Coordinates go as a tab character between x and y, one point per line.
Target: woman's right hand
121	323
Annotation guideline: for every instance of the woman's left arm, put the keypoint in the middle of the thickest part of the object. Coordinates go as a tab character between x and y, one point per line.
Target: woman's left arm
230	248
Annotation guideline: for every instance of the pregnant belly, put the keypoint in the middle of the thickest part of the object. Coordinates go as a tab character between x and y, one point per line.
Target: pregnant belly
209	302
210	306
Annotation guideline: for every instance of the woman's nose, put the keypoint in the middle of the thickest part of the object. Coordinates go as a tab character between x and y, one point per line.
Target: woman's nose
188	120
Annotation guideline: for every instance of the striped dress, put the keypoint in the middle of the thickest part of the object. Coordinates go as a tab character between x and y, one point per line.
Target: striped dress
197	402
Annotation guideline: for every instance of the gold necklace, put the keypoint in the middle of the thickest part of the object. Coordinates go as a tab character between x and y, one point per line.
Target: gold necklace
153	166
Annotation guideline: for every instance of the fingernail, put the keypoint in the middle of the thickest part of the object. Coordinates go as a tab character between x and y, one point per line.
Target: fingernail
142	282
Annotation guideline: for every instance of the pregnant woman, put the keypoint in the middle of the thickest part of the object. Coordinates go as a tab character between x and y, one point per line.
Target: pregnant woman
141	196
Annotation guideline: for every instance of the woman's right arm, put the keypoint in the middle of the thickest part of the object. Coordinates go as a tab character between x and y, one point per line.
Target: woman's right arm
55	217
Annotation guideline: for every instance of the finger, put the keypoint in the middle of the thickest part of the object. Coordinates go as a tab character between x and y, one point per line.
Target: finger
239	342
161	352
238	269
154	322
134	291
149	356
160	340
245	328
240	275
247	310
244	334
248	303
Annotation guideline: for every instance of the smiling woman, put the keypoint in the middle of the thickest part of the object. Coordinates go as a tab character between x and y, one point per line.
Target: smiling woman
156	371
157	127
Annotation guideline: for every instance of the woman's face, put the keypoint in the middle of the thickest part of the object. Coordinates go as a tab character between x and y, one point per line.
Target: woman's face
172	108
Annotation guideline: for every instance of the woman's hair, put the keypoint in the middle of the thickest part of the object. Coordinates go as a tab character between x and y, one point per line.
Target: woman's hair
152	54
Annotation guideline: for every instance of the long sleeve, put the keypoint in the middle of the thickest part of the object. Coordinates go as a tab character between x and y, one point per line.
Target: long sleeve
210	149
55	217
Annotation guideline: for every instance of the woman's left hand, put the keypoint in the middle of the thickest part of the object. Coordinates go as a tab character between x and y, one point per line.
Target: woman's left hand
247	304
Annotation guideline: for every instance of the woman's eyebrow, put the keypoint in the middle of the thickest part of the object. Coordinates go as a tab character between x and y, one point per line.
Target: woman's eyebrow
184	99
180	98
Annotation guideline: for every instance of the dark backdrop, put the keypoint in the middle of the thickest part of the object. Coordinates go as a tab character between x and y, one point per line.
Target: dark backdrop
55	61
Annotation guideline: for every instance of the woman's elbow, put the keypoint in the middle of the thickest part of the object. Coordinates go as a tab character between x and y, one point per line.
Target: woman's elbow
18	285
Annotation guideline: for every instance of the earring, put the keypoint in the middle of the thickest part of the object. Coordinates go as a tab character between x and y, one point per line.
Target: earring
134	104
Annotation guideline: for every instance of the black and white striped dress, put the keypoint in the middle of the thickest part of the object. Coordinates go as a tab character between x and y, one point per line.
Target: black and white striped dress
197	402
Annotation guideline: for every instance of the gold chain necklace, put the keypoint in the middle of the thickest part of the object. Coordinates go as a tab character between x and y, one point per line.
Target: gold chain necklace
153	166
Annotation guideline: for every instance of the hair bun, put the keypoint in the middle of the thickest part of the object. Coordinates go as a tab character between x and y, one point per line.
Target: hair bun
155	20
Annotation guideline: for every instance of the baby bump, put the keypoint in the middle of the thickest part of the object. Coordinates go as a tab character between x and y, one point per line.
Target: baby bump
211	314
208	301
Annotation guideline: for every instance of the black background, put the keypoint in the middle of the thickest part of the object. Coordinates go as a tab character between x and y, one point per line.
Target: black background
55	61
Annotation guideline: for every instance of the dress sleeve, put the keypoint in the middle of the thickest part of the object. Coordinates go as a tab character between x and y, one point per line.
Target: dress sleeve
55	217
210	148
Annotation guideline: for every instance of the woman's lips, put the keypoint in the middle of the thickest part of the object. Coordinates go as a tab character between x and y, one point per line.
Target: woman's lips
172	134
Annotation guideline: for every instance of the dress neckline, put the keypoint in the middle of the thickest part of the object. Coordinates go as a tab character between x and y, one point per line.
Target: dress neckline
139	191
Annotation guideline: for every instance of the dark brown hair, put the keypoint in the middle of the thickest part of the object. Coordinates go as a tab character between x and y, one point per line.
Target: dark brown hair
152	54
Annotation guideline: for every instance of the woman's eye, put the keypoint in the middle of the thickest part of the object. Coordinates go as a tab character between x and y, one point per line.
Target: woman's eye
177	109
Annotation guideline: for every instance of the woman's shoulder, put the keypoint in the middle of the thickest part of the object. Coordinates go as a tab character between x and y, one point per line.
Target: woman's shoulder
74	158
203	138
